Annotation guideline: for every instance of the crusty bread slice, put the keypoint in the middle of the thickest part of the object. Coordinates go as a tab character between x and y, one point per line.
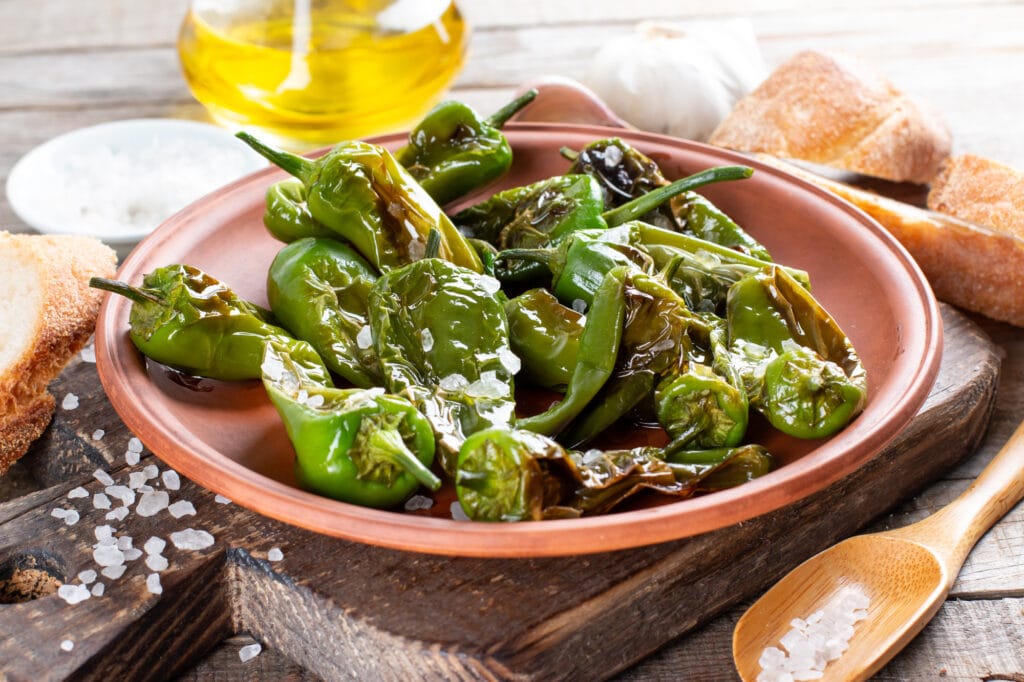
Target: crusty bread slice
982	191
969	265
47	313
837	111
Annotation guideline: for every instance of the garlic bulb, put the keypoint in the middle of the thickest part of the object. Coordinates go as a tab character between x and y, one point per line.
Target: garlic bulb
679	81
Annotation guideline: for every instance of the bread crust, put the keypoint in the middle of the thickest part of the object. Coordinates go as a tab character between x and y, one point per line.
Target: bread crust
980	190
837	111
64	320
969	265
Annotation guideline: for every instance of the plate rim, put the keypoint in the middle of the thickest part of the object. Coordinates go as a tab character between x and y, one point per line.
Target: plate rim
526	539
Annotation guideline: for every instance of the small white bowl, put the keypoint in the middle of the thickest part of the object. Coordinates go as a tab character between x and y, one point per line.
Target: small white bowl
51	187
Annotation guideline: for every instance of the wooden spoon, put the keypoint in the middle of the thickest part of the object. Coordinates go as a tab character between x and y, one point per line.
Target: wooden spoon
906	573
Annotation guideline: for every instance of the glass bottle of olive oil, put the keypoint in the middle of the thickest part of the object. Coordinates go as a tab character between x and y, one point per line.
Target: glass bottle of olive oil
312	72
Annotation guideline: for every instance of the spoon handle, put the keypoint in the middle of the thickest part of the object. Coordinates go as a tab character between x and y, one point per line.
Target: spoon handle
956	528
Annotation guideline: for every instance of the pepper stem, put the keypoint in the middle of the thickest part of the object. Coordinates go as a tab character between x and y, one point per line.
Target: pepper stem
569	153
477	481
501	116
543	256
433	244
388	444
135	294
299	166
650	201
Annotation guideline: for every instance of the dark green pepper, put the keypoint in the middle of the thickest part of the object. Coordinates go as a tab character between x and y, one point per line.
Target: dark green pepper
546	336
186	319
721	468
441	335
355	445
801	371
454	151
318	289
625	174
287	217
617	398
360	192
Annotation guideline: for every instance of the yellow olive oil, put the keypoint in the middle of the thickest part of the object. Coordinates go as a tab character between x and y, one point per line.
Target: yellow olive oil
319	71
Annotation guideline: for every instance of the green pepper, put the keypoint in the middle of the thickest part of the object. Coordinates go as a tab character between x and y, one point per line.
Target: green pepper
545	335
546	212
617	398
454	151
721	468
184	318
801	371
356	445
287	217
625	174
441	335
318	289
700	409
595	360
360	192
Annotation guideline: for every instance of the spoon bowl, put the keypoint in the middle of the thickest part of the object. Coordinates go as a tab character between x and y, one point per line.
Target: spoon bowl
905	574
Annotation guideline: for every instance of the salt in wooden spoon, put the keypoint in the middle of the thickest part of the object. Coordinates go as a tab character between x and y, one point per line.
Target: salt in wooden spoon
906	573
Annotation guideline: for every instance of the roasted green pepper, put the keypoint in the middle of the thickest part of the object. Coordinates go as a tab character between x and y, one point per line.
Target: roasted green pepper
287	217
441	335
454	151
318	289
185	319
699	409
355	445
545	335
625	174
800	370
360	192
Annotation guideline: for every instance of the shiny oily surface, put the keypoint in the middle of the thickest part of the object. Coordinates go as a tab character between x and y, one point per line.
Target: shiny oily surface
228	438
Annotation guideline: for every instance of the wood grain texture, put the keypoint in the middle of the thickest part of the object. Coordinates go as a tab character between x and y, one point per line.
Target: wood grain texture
396	615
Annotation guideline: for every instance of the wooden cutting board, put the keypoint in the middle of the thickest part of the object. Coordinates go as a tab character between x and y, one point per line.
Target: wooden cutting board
345	610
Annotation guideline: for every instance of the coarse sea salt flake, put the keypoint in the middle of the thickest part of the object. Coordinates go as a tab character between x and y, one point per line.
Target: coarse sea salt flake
124	542
152	502
70	402
101	501
191	539
220	499
103	532
98	589
171	479
134	444
154	545
88	353
182	508
122	493
153	583
136	480
117	514
87	576
132	554
579	305
67	645
151	471
78	492
73	594
364	339
315	400
249	652
427	340
275	554
113	572
417	502
58	512
156	562
131	458
108	555
103	477
98	434
457	513
71	518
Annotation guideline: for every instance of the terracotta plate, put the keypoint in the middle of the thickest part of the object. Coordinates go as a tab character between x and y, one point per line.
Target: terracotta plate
228	438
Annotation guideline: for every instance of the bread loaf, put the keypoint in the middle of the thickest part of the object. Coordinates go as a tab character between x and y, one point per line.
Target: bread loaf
47	314
837	111
982	191
969	265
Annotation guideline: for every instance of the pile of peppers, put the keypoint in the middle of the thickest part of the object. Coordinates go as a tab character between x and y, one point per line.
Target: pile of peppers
397	331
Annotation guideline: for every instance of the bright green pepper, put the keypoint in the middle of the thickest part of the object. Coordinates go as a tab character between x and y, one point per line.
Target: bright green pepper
700	409
454	151
545	335
185	319
287	217
360	192
625	174
599	346
441	335
318	289
355	445
801	371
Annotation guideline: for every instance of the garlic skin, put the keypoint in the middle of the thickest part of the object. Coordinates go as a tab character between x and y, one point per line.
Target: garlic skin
677	80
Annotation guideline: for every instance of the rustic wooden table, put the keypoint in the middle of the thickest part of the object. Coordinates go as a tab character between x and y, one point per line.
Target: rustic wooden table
66	64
